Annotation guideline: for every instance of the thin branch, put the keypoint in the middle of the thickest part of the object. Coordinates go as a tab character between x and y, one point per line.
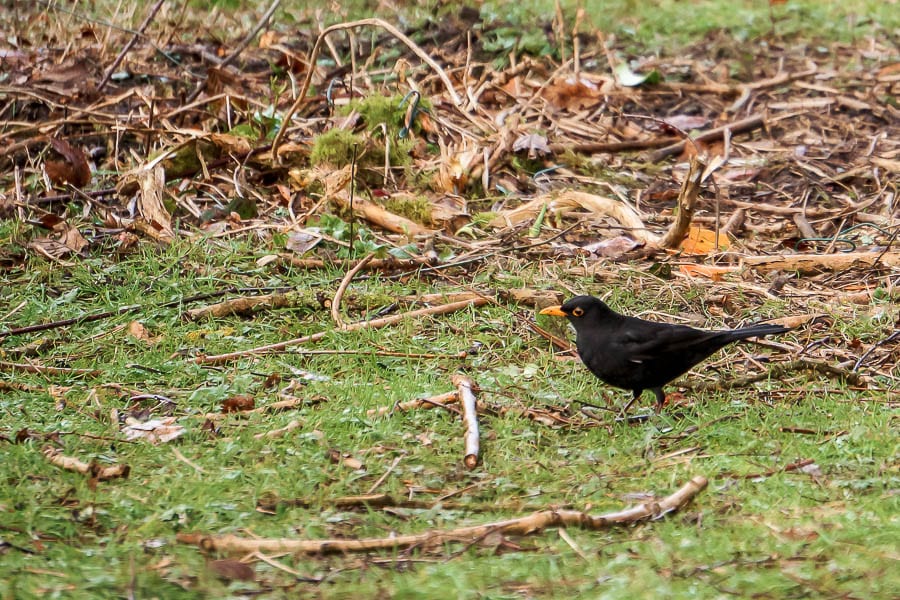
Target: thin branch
138	34
345	283
373	324
742	126
526	525
687	199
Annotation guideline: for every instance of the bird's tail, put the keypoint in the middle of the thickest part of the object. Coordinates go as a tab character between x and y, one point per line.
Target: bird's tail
758	331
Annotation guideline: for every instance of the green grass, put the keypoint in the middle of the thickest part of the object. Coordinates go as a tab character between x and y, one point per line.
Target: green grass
790	534
825	531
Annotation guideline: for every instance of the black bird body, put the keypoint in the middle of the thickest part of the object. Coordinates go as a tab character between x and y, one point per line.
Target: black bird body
635	354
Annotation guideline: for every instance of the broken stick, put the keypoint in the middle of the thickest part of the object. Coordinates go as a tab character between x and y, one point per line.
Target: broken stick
70	463
529	524
687	199
464	387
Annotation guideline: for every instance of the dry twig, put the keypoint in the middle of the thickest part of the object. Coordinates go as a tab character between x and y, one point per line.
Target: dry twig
373	324
464	387
687	200
529	524
97	473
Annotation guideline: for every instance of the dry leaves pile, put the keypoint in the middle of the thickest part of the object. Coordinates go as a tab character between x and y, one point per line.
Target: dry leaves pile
440	152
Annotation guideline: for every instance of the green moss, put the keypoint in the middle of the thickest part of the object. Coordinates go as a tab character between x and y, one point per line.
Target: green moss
335	147
416	208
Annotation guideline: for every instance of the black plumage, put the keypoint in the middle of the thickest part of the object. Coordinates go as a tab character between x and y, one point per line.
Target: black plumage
634	354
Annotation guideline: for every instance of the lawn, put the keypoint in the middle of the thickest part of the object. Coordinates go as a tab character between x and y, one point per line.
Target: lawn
102	355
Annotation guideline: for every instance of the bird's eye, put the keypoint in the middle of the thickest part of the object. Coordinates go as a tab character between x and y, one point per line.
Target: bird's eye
578	311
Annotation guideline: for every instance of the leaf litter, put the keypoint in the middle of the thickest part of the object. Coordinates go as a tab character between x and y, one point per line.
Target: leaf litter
445	161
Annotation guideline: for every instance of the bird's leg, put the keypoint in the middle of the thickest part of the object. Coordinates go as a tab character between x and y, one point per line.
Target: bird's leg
637	394
660	399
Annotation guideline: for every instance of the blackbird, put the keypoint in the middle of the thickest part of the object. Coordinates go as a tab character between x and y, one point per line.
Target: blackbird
636	355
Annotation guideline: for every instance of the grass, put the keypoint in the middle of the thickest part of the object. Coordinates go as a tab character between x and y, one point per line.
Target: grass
824	532
828	529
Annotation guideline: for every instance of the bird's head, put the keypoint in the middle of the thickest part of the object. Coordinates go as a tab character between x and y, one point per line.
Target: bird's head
580	310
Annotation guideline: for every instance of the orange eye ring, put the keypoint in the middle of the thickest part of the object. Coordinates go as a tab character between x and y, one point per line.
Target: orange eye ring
578	311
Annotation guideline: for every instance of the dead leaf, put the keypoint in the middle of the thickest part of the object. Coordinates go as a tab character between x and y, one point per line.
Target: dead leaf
150	204
535	144
154	431
703	241
232	570
301	242
137	330
70	168
63	241
572	94
238	404
686	122
612	247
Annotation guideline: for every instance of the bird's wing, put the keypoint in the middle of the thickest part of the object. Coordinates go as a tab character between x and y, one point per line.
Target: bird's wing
647	341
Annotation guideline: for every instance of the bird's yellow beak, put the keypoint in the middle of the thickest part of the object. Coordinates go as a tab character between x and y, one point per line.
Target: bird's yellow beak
553	311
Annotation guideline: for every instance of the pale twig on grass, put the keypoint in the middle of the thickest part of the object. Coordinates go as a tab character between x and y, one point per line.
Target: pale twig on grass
70	463
464	387
345	283
277	433
529	524
388	264
373	324
778	371
381	479
32	368
441	400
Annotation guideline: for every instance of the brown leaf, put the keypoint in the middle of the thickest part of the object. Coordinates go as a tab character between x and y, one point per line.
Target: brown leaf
711	272
72	167
64	240
535	144
238	404
572	94
232	570
137	330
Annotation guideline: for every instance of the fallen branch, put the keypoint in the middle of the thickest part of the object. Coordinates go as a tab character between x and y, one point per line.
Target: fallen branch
598	206
785	469
464	387
599	147
377	264
810	263
97	473
742	126
31	368
374	213
687	199
529	524
240	306
373	324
